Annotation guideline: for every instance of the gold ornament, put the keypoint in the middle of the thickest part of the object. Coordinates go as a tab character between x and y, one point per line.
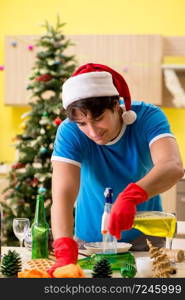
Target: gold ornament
48	94
23	125
50	62
44	120
42	131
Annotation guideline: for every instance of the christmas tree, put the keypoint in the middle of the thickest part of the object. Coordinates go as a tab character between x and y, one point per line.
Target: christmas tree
35	145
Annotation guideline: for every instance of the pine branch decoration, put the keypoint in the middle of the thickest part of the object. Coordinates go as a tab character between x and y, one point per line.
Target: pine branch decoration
11	264
102	269
161	264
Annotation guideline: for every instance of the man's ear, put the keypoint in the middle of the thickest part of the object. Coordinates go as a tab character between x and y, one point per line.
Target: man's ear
117	107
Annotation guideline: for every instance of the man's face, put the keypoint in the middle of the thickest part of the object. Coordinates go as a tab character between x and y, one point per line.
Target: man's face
102	129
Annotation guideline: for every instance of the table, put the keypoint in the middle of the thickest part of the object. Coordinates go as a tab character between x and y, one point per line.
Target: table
177	244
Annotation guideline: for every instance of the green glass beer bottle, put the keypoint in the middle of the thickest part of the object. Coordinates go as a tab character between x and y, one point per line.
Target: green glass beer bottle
40	228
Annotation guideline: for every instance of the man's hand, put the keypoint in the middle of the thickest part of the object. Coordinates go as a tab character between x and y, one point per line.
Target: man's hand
66	252
124	209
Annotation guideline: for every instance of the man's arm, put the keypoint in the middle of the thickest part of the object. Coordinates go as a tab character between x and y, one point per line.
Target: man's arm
65	187
167	170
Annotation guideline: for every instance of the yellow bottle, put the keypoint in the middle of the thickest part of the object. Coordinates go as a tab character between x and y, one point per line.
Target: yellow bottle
155	223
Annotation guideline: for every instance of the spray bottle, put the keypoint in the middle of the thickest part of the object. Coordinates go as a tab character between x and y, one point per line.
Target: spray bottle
109	241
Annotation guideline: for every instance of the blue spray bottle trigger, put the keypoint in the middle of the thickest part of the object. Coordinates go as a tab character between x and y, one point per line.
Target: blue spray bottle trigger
108	193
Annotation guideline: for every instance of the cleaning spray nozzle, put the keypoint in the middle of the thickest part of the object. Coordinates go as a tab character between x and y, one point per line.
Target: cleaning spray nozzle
108	193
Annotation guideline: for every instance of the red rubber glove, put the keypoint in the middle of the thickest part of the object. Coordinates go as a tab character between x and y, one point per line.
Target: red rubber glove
66	252
124	209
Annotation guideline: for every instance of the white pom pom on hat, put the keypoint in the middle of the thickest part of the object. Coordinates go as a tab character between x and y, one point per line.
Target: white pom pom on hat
129	117
96	80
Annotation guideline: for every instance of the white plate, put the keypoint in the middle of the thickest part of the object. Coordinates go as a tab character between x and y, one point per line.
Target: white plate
98	247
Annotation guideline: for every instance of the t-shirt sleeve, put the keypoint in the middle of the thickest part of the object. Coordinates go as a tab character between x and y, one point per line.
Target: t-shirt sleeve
67	145
155	125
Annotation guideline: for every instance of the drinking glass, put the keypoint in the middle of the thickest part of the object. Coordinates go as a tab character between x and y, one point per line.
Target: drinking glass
20	228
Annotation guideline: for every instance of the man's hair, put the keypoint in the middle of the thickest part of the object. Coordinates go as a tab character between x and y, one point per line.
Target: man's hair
96	106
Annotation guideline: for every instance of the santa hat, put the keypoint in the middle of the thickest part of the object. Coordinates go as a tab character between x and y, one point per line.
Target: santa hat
96	80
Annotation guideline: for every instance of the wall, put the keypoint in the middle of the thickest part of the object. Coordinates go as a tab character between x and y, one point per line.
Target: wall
86	17
176	118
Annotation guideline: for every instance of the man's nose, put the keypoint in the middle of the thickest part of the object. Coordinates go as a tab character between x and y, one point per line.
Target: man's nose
92	131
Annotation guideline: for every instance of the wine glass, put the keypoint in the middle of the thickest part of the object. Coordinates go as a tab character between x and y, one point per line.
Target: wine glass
20	228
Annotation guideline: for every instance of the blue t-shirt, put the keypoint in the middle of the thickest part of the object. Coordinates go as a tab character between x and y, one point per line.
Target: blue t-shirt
124	160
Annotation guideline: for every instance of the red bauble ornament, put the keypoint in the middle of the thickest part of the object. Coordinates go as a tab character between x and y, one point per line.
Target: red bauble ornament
57	121
35	182
44	77
18	166
30	47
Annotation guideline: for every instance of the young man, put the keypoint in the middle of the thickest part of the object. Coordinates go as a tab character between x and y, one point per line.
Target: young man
103	144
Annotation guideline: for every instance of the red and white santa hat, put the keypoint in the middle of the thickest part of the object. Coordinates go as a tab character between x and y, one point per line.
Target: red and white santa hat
96	80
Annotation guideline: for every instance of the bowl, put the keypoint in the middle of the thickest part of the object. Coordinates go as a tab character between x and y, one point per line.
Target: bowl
98	247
